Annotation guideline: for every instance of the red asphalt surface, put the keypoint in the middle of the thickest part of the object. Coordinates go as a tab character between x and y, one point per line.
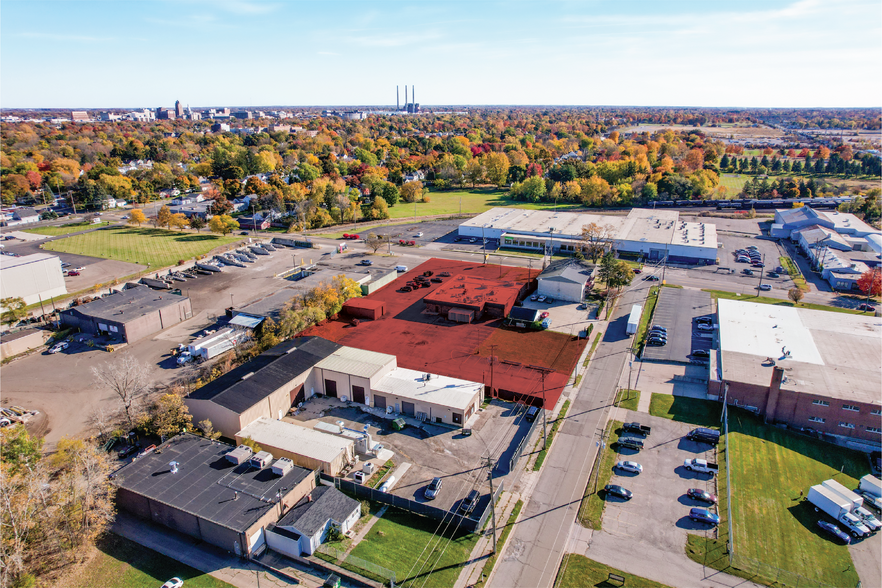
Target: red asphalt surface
431	343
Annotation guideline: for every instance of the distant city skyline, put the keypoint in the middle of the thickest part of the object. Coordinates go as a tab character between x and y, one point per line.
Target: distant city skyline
94	55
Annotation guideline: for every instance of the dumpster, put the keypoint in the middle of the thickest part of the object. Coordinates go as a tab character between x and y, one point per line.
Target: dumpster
398	424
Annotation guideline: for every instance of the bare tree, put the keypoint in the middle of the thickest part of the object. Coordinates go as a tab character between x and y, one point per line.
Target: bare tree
22	507
103	421
795	294
595	239
373	241
128	379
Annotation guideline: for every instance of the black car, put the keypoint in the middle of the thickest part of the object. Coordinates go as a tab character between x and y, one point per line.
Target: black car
470	502
129	450
704	320
747	272
616	490
658	328
658	335
702	495
700	353
433	489
656	343
651	278
773	275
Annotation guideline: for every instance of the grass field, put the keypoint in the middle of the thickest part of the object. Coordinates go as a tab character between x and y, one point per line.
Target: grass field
125	564
703	413
397	542
628	399
158	247
733	183
591	509
577	571
468	202
65	229
771	470
645	318
717	294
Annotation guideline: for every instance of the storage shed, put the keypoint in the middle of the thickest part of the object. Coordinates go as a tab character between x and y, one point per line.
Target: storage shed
305	447
306	526
365	308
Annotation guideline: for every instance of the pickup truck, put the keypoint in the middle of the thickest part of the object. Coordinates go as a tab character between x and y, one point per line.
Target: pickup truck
637	428
631	443
701	465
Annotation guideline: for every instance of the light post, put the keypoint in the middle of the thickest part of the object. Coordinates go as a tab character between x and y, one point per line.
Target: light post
253	220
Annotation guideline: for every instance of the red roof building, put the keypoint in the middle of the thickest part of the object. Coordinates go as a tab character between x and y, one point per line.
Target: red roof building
464	299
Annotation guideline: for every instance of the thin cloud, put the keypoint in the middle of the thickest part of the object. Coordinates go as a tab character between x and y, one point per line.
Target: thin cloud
326	53
245	8
399	40
64	37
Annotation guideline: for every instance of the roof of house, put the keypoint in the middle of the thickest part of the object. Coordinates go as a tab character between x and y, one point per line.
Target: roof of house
206	484
310	517
568	270
356	362
266	373
440	390
127	305
824	353
299	440
25	213
522	313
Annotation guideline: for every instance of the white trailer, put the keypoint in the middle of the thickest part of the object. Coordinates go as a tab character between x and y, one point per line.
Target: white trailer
857	504
837	507
634	319
871	485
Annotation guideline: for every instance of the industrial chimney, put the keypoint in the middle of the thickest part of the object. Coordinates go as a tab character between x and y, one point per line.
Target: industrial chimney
397	99
405	96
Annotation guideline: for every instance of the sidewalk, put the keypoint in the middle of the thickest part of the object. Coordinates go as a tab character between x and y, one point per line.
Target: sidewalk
482	551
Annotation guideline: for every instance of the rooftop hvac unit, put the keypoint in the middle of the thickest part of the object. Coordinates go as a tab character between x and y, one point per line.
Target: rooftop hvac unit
368	467
261	459
282	466
240	454
360	477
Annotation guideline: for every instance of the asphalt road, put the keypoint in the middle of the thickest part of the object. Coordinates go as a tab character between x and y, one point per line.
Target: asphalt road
534	551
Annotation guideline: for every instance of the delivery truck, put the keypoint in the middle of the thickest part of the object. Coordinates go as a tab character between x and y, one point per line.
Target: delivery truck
634	319
871	485
870	521
829	502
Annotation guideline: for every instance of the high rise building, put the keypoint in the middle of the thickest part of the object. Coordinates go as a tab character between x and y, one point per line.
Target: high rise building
179	109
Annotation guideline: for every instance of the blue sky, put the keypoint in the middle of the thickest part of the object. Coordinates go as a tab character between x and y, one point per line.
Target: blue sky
794	53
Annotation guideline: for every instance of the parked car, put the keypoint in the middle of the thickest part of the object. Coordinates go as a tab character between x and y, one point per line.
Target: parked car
365	262
472	240
702	495
637	270
437	280
616	490
703	515
534	297
700	353
834	530
657	338
752	247
72	273
79	269
651	278
59	347
704	320
541	298
630	466
470	502
656	343
773	275
743	260
747	272
406	289
780	269
758	264
867	307
173	583
637	428
433	489
549	300
543	315
657	329
764	287
128	450
444	274
420	234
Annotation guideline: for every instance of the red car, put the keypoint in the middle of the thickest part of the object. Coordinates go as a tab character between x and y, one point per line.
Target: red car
637	270
543	315
73	273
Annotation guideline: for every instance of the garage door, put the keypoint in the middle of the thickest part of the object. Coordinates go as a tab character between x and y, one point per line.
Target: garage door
331	388
379	401
407	408
358	394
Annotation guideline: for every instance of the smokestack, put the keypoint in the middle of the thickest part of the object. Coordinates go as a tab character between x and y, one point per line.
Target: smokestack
405	96
397	99
413	96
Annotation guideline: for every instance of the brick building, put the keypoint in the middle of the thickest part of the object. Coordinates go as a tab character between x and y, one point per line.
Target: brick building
465	299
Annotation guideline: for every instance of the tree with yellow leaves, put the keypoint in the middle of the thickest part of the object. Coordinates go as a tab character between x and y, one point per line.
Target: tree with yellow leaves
136	217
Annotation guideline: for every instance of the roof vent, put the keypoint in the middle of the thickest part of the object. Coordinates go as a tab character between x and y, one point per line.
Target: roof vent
174	467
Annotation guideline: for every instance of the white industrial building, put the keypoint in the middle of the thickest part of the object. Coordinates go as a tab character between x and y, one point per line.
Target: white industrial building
428	397
566	279
31	277
647	233
307	448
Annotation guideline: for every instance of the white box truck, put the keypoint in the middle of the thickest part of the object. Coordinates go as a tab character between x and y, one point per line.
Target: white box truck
871	485
634	319
839	508
857	502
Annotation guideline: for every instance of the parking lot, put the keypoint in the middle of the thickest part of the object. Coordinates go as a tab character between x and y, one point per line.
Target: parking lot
768	251
677	311
566	317
432	450
657	514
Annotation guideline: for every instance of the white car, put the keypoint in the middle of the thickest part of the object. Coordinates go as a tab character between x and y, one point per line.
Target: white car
173	583
420	234
59	347
541	299
705	327
630	466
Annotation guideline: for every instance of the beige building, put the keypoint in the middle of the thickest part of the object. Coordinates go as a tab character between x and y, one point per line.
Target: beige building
307	448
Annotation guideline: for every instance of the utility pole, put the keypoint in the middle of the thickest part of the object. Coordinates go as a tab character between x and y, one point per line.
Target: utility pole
762	273
492	500
492	394
544	415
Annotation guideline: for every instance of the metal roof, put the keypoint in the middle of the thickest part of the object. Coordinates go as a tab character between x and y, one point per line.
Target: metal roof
568	270
440	390
206	484
310	516
127	305
6	261
356	362
296	439
522	313
249	322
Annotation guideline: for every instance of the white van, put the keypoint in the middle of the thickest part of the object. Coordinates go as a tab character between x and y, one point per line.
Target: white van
401	268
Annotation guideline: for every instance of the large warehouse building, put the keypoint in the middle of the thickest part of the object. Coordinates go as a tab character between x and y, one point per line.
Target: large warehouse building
31	277
307	448
810	369
130	315
646	233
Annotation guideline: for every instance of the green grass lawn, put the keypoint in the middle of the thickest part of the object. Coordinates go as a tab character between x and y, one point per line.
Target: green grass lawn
645	318
628	399
591	509
555	425
717	294
158	247
65	229
396	542
771	470
703	413
577	571
733	183
469	201
125	564
597	339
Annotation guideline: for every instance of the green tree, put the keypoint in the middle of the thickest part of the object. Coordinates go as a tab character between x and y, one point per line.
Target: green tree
223	224
14	310
197	222
307	173
170	416
389	192
379	209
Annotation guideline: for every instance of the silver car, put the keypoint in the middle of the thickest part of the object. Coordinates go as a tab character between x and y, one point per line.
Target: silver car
630	466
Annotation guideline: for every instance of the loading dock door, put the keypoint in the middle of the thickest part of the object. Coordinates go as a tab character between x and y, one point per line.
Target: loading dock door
407	408
379	401
358	394
331	388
